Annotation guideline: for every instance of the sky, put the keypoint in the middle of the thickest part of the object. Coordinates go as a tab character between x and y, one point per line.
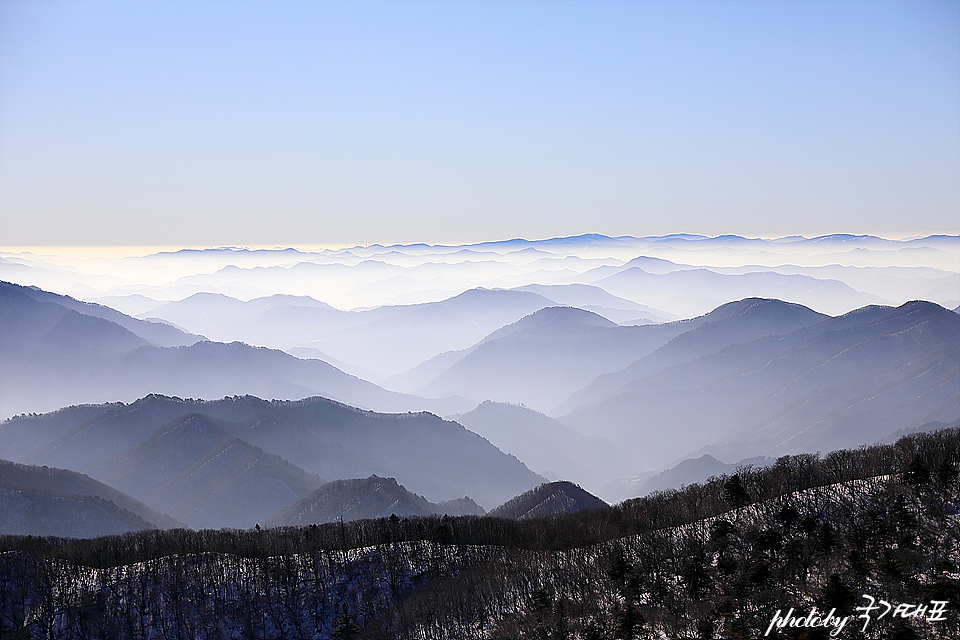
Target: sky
330	123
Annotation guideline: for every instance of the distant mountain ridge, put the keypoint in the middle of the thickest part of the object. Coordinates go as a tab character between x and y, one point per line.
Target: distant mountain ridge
544	357
687	472
364	499
839	383
547	500
161	441
588	239
549	447
54	356
597	300
376	275
690	292
157	333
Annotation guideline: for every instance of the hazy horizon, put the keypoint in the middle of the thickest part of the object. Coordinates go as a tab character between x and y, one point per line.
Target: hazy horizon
345	124
119	250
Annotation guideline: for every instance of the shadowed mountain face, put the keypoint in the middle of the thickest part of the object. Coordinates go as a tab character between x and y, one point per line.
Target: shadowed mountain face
733	323
34	329
54	356
547	500
194	446
43	514
49	351
369	498
841	382
57	502
197	471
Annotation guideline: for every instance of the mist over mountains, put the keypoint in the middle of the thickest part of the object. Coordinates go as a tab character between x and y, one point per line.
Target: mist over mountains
894	271
55	356
228	385
833	384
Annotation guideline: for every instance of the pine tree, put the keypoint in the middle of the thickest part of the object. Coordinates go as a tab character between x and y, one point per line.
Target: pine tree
344	626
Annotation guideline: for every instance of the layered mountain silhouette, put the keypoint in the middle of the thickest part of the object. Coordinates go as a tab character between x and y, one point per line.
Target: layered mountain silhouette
276	321
837	383
752	377
599	301
547	500
58	502
381	341
182	453
392	339
157	333
690	292
368	498
54	356
698	273
544	357
733	323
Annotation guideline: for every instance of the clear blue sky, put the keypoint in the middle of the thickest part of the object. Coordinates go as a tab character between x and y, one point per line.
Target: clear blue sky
265	123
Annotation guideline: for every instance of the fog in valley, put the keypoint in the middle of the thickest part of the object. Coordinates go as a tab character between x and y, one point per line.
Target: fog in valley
465	373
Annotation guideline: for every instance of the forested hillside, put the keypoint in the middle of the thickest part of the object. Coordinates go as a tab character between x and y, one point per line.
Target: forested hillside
210	462
718	559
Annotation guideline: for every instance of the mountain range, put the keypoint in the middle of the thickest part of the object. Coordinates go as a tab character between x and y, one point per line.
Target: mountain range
720	270
542	358
836	383
209	462
54	355
564	359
